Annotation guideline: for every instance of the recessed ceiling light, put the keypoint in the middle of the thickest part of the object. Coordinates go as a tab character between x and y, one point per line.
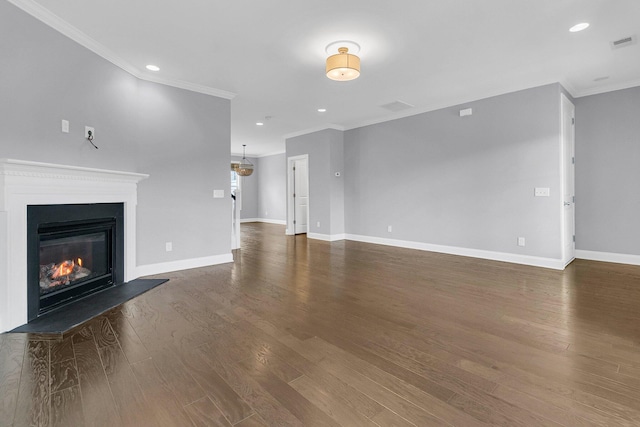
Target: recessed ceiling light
579	27
152	67
322	110
259	124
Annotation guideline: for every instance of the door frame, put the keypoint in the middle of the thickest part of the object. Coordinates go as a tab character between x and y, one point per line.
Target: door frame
567	107
290	231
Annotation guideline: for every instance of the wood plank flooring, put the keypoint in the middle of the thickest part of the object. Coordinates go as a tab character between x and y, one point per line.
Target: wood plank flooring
300	332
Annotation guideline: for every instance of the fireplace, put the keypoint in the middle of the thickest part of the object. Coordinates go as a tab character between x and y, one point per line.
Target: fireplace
25	183
73	251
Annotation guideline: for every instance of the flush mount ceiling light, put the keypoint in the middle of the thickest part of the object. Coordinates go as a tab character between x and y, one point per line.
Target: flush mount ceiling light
343	66
579	27
245	168
152	67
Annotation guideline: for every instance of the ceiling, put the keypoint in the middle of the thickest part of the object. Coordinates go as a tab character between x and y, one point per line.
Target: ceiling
268	56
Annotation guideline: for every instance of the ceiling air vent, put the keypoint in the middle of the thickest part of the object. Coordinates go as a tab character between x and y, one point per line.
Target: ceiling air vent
397	106
624	42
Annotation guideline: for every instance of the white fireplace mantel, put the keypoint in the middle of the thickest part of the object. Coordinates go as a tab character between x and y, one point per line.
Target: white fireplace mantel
24	183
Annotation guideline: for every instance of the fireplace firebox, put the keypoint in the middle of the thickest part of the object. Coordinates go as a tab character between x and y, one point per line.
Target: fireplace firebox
72	251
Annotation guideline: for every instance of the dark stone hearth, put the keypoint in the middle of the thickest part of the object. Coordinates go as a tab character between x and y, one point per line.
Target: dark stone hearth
66	317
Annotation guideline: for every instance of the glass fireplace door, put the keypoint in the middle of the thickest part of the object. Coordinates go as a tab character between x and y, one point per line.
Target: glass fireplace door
73	260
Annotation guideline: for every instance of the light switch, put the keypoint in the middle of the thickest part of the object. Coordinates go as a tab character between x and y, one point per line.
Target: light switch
218	194
65	126
541	192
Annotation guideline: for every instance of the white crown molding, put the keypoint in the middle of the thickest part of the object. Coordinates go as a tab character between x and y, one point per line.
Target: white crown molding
275	153
569	87
206	90
460	102
314	130
259	156
608	257
605	89
46	16
184	264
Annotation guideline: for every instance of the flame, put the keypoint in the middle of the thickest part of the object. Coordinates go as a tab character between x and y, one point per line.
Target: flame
64	269
80	262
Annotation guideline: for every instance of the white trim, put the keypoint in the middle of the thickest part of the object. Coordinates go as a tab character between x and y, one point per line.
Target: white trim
257	156
46	16
24	168
463	101
265	220
314	130
326	237
567	107
193	87
609	88
608	257
275	153
290	201
552	263
24	183
184	264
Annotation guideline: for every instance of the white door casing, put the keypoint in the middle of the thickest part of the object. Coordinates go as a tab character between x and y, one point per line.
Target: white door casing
568	178
297	194
301	195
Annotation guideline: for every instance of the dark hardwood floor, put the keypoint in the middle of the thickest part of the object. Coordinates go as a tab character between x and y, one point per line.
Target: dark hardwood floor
310	333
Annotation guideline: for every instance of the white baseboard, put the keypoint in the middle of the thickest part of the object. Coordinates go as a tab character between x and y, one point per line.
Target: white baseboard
184	264
326	237
608	257
266	220
552	263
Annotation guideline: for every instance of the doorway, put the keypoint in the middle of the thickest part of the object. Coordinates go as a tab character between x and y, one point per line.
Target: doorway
236	207
568	178
298	194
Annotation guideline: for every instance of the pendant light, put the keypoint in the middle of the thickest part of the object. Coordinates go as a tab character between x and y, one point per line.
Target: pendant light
245	168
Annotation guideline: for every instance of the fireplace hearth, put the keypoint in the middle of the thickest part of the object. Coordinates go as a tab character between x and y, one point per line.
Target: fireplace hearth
73	251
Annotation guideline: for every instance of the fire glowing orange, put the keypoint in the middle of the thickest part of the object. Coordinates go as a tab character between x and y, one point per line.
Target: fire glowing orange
64	269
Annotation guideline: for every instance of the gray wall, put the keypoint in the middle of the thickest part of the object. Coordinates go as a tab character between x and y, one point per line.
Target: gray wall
250	189
608	172
325	150
461	181
272	182
180	138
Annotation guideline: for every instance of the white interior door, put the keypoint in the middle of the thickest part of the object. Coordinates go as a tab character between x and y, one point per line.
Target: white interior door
301	195
568	190
236	206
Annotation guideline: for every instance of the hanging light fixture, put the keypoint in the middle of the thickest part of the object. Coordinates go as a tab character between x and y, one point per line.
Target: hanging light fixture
245	168
343	66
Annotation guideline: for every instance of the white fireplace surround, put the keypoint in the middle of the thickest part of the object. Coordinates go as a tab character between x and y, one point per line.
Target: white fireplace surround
24	183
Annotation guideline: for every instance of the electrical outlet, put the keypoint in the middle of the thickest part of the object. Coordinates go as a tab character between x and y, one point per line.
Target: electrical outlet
520	241
541	192
389	229
318	224
88	129
168	246
65	126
